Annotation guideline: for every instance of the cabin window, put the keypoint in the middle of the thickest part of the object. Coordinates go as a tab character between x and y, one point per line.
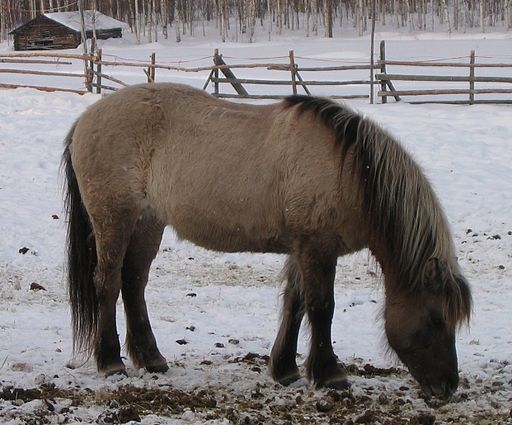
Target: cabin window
44	40
40	43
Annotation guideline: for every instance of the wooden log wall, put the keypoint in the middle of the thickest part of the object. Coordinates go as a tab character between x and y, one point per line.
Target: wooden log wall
43	33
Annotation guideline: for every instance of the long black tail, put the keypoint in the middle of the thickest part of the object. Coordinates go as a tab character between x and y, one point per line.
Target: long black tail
81	252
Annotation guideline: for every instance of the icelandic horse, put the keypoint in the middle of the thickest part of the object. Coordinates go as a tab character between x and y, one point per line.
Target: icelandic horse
306	177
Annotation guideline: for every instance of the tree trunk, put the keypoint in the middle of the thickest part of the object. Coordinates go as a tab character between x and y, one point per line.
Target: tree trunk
432	14
482	9
3	29
307	7
252	21
177	21
223	23
163	18
508	15
359	17
137	21
328	18
447	15
314	10
456	15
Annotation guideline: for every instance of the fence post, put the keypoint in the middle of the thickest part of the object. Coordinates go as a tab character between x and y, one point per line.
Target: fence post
89	75
93	50
293	70
150	73
153	68
217	59
472	77
216	73
383	69
98	72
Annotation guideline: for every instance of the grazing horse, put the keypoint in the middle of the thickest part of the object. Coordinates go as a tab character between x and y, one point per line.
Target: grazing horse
306	177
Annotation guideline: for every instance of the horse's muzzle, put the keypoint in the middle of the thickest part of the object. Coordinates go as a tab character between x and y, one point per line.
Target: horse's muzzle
443	390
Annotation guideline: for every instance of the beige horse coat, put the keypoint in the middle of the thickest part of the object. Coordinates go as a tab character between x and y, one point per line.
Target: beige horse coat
307	177
228	177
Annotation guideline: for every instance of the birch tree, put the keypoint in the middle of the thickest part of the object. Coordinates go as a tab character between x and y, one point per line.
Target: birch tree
328	18
150	19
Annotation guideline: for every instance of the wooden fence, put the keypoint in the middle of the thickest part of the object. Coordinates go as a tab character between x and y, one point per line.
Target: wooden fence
293	80
399	84
43	60
388	81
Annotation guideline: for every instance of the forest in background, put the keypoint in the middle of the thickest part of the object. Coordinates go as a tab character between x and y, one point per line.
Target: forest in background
151	20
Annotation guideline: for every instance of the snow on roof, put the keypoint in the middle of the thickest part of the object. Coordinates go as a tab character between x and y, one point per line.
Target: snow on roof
72	20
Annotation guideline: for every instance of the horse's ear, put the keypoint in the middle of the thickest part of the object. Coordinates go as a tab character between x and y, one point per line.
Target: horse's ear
457	302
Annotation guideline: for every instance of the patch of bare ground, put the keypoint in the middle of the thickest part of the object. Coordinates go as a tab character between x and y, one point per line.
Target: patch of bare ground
265	403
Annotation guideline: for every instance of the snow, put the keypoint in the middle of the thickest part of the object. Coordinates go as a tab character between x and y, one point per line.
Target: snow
91	19
208	298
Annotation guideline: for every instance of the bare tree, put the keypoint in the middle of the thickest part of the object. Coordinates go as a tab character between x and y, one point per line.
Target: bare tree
314	10
328	18
137	20
150	19
177	22
482	15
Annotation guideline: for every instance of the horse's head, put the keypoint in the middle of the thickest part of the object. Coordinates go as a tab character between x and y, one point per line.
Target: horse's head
421	326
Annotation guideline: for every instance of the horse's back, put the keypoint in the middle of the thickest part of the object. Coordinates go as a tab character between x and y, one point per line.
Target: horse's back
195	160
226	176
139	125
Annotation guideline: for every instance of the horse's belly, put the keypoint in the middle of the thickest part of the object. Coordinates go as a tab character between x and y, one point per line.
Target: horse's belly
228	240
227	232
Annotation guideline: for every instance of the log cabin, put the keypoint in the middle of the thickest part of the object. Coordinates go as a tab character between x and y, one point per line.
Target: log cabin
62	30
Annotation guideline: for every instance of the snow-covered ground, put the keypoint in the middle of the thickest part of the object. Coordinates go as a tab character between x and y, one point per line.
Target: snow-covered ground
226	307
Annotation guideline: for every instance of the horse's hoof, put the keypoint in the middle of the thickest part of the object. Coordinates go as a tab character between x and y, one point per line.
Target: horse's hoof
289	379
115	370
155	363
157	367
285	378
340	384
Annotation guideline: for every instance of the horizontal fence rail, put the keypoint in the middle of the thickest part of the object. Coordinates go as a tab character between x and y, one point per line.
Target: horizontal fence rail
388	81
294	80
435	82
408	77
47	59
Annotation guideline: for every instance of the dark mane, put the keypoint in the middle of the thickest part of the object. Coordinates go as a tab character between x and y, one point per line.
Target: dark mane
341	119
402	210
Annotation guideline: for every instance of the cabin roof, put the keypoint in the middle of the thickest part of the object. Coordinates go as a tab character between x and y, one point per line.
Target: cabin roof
72	20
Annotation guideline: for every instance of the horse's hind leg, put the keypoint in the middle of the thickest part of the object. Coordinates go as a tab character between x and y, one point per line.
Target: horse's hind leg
112	229
140	341
283	365
317	259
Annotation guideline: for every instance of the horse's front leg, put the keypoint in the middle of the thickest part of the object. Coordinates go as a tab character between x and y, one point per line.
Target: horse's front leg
317	259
